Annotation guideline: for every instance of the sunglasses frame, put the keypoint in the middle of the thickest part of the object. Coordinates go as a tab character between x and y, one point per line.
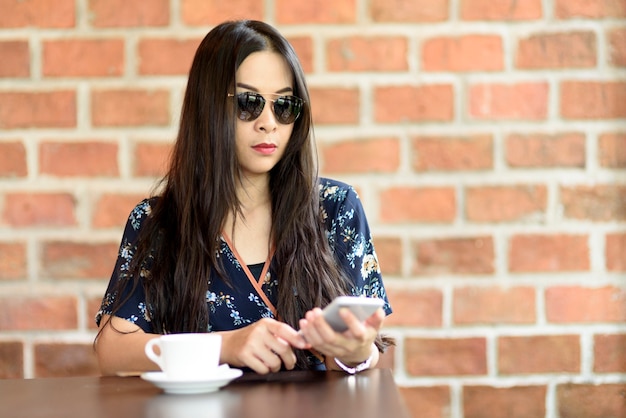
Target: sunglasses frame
264	102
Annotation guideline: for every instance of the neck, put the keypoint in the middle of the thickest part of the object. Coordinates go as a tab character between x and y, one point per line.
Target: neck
253	193
250	230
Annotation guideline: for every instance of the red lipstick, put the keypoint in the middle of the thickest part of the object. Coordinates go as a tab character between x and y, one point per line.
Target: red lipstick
265	148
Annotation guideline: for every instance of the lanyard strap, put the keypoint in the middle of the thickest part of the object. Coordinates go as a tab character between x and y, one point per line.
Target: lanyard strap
257	284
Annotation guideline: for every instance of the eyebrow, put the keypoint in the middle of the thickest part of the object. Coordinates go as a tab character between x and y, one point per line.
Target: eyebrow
249	87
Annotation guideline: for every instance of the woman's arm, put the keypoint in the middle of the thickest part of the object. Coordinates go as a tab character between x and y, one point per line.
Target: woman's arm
263	346
120	347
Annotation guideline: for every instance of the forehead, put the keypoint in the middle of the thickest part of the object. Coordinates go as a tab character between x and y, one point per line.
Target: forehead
266	71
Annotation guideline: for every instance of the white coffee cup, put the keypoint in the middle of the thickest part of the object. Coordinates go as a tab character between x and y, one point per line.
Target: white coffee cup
186	356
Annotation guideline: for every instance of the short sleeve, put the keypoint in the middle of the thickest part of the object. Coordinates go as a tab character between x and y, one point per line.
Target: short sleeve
350	239
122	288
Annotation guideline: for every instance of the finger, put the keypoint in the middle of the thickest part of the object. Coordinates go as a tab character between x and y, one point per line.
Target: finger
376	319
257	365
319	332
288	358
283	351
302	331
288	334
271	360
250	356
323	327
307	332
303	325
355	326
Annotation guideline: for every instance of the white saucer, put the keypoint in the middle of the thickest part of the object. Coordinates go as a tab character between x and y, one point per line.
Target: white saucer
201	385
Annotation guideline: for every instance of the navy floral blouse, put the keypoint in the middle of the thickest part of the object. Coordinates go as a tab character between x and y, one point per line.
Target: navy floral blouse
251	299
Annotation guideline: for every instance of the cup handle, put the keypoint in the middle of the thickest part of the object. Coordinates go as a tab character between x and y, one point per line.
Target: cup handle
149	349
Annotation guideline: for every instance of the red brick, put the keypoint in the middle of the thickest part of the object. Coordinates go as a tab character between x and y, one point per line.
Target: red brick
130	108
493	305
13	159
39	209
73	159
548	253
121	13
415	307
367	54
591	401
591	9
427	402
11	360
445	356
414	104
593	100
77	260
315	11
37	13
335	105
43	109
151	159
617	47
367	155
521	101
463	53
506	203
15	58
611	150
409	11
12	261
545	150
303	45
501	10
557	50
44	312
601	203
573	304
433	153
83	57
539	354
413	204
509	402
212	12
615	250
609	353
64	360
111	210
464	256
389	253
166	56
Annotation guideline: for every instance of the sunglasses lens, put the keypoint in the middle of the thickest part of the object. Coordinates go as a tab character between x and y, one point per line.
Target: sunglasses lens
287	109
250	105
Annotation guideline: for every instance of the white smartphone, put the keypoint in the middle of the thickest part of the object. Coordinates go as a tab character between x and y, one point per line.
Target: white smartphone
361	307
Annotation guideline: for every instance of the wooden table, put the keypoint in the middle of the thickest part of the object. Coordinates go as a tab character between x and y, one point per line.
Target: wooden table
296	394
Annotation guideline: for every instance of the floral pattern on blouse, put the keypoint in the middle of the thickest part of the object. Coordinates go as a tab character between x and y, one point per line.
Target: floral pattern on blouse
232	307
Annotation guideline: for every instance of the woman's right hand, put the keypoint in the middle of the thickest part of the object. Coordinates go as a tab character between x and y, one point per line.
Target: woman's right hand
263	346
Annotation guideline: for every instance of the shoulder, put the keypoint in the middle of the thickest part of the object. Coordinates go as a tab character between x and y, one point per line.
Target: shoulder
141	211
335	191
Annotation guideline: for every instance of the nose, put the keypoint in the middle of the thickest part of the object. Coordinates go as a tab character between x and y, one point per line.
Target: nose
266	121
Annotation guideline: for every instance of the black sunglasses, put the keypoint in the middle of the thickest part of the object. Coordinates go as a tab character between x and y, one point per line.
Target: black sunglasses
250	106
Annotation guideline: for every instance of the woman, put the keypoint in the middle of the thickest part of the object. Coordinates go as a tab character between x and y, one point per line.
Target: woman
244	240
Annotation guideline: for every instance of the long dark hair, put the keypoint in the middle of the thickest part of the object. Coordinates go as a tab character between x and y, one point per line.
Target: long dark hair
178	244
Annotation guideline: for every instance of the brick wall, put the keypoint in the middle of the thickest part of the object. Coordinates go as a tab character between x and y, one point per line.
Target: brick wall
487	140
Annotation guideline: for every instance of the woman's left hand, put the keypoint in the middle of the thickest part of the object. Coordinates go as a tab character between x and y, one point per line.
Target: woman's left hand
352	346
